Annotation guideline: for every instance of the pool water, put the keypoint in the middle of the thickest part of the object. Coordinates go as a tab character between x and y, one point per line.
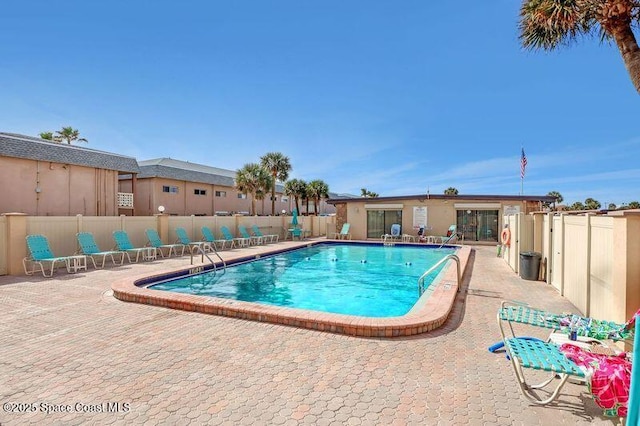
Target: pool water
361	280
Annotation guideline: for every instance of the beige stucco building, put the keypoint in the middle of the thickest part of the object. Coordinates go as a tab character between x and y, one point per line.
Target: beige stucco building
185	188
478	218
44	178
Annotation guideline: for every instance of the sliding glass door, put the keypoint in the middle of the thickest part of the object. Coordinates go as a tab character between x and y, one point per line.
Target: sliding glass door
478	225
379	222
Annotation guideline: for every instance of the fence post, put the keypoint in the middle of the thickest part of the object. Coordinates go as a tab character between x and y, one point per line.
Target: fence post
588	263
162	226
16	228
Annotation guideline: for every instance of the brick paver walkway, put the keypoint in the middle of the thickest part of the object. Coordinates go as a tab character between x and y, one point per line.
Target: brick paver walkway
67	341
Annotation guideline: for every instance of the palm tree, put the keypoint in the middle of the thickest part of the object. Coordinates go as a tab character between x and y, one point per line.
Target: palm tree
634	205
451	191
296	188
260	196
251	179
612	206
368	194
591	204
548	24
317	189
47	136
279	166
68	134
557	196
576	206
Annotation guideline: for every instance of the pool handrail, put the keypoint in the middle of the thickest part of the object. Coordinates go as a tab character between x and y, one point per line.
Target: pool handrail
204	254
421	288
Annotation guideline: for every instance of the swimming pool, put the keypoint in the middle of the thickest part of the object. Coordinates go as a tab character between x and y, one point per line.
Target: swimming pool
427	314
352	279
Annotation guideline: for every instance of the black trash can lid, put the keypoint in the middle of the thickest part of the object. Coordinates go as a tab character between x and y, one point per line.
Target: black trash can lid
530	254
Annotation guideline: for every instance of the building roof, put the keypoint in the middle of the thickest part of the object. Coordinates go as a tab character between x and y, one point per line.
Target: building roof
191	172
32	148
543	198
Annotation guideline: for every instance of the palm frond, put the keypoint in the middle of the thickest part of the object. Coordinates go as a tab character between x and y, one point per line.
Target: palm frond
547	24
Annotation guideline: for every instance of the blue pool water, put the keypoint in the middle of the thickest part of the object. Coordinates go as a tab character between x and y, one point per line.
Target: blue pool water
362	280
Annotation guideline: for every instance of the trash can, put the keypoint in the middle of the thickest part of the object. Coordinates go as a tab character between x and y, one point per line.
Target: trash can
529	265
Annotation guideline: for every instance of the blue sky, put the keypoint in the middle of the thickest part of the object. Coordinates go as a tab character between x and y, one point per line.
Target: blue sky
396	97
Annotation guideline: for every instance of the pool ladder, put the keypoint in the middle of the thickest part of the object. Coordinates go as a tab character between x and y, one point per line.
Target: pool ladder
421	288
204	254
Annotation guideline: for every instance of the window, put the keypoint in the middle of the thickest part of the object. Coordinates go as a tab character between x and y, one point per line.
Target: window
200	192
379	222
285	199
221	193
273	199
478	225
242	196
170	189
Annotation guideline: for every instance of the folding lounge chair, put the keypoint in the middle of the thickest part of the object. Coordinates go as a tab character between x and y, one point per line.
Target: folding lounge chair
540	356
344	233
40	255
512	312
273	238
533	353
207	235
253	239
184	239
89	247
123	244
156	241
241	241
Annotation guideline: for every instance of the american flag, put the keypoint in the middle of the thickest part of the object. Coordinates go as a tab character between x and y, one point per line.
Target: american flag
523	164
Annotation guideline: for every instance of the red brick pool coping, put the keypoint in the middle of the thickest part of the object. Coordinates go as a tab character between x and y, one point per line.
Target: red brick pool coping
429	313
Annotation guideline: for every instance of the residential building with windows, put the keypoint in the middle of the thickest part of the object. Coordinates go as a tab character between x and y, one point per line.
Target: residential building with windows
478	218
45	178
185	188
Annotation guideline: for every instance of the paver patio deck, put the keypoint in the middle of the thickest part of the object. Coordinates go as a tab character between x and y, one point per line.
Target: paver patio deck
66	340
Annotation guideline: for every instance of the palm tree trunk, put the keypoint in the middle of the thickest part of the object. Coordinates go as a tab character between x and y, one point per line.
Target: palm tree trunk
315	205
628	46
297	206
273	196
253	204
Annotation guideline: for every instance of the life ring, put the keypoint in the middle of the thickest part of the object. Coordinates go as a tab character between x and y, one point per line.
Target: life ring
505	237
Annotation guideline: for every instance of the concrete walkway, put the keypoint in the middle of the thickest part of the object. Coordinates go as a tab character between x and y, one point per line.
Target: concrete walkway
67	344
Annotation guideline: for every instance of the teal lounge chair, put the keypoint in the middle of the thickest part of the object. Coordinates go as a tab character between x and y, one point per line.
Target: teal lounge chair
273	238
123	244
253	239
344	233
537	355
156	241
89	247
514	312
240	241
208	236
183	238
40	255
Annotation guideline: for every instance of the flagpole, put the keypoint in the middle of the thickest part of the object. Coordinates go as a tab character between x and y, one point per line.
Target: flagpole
523	164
